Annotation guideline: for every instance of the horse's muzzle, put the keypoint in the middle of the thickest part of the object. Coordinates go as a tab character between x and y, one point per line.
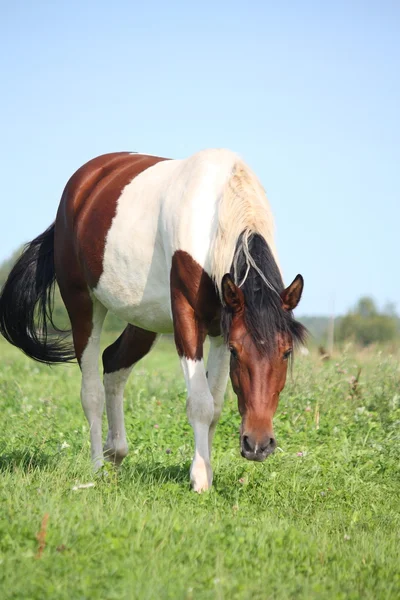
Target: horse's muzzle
258	450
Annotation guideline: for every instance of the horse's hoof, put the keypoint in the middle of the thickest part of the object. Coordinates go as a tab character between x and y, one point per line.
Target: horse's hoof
201	479
200	488
115	454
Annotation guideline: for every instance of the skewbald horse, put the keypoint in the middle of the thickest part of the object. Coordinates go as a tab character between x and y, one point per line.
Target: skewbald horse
182	246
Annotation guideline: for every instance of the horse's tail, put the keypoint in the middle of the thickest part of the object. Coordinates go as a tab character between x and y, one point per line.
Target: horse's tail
27	303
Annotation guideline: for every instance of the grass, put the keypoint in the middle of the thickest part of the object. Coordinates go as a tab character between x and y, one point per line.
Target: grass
319	519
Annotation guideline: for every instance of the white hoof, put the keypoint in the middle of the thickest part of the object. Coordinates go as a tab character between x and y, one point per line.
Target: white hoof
201	477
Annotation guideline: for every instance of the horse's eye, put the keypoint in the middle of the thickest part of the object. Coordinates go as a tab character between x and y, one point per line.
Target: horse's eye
287	354
233	352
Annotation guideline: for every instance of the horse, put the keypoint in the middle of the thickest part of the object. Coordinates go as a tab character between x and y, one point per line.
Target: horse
169	246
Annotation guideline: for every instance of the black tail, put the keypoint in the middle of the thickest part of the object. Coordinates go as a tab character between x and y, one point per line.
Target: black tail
27	302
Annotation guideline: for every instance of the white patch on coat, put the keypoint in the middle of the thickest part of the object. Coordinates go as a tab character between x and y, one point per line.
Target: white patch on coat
135	279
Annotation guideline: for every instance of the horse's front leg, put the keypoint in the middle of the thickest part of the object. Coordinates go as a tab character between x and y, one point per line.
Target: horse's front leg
189	334
200	412
217	378
195	305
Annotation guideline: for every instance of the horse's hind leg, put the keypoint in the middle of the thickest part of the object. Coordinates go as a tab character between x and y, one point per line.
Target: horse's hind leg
87	317
118	361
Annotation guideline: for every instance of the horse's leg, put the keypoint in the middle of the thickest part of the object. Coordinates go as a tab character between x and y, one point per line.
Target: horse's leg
217	376
189	339
118	361
87	316
200	412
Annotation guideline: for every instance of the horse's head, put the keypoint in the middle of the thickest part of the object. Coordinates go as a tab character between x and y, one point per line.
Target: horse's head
260	340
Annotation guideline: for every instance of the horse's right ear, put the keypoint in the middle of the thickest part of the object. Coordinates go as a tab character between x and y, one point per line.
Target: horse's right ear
292	294
232	295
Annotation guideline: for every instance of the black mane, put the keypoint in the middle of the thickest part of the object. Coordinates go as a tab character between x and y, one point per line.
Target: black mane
264	315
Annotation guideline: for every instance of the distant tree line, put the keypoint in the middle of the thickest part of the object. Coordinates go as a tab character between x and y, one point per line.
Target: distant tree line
365	324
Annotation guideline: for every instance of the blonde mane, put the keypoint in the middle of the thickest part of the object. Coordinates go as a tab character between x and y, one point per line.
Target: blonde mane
243	207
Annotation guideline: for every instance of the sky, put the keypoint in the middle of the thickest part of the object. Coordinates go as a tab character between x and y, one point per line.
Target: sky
308	93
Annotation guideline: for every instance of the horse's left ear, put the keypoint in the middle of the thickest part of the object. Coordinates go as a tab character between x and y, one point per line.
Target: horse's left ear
292	294
232	294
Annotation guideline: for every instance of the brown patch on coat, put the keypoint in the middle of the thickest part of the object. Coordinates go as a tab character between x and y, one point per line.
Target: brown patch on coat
80	310
196	307
132	345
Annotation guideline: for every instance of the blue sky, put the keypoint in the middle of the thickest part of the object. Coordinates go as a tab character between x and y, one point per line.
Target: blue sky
307	93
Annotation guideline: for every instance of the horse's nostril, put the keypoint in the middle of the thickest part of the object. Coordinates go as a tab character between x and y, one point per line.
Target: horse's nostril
247	445
269	446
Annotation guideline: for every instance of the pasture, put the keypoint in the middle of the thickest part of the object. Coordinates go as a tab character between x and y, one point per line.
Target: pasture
318	519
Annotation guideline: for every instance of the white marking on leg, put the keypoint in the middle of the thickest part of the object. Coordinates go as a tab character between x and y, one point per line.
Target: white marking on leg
92	390
218	373
200	412
116	446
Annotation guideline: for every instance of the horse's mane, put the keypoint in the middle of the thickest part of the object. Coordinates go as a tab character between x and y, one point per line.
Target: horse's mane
255	271
243	207
244	247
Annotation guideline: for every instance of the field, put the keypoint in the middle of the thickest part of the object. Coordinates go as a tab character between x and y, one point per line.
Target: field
319	519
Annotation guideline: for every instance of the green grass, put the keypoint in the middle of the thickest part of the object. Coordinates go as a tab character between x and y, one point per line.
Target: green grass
319	519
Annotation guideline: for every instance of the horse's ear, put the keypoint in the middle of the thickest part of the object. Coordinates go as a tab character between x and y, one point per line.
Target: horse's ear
232	295
292	294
